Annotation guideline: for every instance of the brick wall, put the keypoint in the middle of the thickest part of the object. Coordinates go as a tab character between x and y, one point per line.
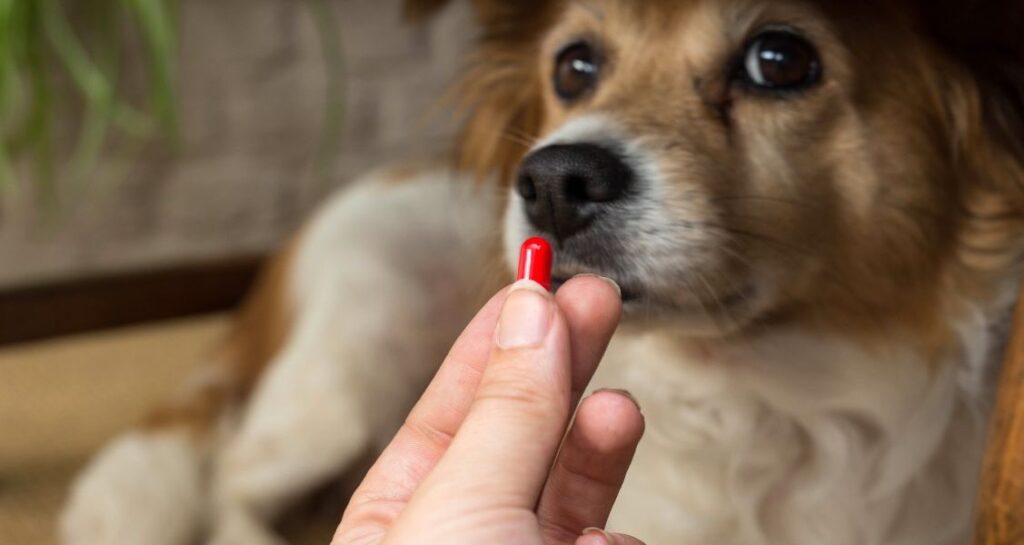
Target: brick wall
253	101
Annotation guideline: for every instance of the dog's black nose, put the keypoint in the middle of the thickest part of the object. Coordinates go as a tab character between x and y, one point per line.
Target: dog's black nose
565	187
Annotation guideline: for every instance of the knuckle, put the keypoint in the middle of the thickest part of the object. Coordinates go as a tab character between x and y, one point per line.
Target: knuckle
561	531
433	434
523	391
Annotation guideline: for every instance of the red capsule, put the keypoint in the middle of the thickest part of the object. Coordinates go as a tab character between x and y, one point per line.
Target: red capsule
535	262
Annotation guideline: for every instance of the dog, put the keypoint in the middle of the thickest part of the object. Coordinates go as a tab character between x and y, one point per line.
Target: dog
814	209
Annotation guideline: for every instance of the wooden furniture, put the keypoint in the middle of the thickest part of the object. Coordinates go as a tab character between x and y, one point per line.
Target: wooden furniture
90	304
1000	511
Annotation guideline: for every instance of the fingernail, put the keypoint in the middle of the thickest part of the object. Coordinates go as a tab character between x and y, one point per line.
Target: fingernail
624	393
606	280
526	316
596	536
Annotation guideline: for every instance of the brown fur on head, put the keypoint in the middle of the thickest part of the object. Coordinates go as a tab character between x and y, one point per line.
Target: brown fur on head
898	179
983	36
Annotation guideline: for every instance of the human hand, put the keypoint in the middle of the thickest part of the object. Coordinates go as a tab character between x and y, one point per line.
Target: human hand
475	462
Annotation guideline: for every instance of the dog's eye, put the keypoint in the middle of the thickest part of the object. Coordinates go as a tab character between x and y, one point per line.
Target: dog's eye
782	61
576	71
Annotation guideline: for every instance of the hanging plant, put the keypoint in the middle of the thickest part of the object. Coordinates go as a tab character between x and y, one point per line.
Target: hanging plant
45	63
40	50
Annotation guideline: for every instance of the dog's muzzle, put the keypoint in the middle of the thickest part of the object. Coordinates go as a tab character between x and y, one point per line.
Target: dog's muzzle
566	188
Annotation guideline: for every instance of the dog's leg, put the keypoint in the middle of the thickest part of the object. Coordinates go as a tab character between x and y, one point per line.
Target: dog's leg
314	415
143	488
345	329
384	280
150	486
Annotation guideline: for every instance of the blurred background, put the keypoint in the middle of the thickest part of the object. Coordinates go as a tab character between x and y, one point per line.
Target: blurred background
152	154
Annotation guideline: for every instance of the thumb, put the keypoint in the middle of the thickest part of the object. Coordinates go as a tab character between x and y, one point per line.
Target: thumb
500	457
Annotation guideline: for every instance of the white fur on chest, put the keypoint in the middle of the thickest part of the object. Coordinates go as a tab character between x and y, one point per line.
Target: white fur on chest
798	440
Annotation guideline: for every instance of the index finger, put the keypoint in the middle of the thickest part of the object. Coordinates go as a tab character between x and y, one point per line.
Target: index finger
426	433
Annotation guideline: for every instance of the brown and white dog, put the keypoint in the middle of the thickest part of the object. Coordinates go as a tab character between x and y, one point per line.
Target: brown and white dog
815	209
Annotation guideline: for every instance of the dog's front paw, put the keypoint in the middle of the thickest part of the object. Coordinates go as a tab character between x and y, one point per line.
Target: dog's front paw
143	488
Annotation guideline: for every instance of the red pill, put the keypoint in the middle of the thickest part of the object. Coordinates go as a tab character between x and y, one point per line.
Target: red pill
535	262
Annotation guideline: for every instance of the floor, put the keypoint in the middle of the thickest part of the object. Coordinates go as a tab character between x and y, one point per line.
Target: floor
61	400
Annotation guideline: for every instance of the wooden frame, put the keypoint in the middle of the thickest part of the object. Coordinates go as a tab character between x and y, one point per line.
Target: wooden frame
81	306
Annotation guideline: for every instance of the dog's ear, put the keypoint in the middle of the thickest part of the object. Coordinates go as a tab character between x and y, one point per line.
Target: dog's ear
984	93
500	93
985	36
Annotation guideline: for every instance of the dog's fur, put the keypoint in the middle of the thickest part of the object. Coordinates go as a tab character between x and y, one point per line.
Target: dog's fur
872	226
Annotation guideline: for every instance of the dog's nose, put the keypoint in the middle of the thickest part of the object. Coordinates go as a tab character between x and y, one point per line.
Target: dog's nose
565	187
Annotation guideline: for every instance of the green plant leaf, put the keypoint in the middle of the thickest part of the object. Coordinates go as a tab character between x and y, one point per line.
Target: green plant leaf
38	45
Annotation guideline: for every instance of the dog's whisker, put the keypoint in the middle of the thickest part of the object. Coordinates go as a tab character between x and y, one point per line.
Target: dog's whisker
723	311
517	140
523	135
